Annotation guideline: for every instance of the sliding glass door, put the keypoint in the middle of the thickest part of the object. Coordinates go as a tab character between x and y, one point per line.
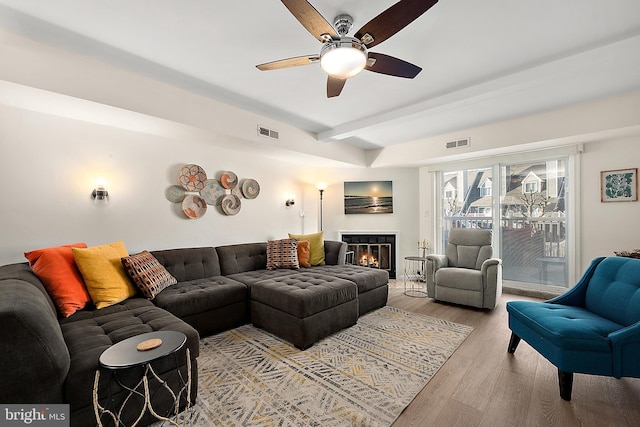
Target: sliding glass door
533	222
525	205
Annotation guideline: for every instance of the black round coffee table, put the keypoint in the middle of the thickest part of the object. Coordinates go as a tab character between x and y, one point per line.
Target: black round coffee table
126	355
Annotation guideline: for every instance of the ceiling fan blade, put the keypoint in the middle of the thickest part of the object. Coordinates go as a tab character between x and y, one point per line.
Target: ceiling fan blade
289	62
334	86
310	18
385	64
392	20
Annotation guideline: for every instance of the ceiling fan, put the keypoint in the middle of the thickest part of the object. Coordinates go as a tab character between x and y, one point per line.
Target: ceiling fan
342	57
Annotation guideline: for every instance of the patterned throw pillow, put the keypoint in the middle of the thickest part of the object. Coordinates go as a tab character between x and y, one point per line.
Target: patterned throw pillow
148	274
282	254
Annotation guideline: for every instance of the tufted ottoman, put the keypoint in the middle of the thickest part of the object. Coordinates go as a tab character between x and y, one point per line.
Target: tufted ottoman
304	308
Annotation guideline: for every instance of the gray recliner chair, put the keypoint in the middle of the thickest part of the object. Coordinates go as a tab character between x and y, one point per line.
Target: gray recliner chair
467	274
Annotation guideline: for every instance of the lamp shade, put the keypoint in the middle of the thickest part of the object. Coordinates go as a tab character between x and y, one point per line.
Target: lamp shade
343	58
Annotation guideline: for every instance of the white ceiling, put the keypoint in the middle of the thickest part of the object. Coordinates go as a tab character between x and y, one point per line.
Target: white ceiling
482	61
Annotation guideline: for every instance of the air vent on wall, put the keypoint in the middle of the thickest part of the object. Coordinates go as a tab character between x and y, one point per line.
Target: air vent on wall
461	143
267	133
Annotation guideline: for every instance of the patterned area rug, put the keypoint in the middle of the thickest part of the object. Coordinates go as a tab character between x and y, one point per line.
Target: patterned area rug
364	375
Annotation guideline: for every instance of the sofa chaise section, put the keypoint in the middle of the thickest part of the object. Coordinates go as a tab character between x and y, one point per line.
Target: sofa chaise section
88	333
51	360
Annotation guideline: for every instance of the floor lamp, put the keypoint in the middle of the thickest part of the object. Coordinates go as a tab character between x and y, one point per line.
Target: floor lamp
321	187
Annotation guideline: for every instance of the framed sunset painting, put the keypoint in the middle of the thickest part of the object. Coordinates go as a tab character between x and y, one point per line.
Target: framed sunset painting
368	197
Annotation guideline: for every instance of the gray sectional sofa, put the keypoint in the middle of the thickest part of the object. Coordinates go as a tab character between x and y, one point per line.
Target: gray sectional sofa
48	359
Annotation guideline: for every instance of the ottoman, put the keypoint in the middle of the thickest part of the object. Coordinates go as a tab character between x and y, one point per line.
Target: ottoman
304	308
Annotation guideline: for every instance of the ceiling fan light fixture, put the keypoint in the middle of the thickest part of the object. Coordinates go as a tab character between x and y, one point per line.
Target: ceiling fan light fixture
343	58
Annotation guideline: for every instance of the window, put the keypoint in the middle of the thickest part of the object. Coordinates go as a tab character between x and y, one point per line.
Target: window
485	188
531	187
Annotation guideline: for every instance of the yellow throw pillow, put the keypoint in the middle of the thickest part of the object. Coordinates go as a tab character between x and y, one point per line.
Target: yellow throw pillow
103	273
316	251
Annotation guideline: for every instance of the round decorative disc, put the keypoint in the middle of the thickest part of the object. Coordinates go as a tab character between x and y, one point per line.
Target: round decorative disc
194	206
175	193
229	180
237	191
149	344
250	188
192	177
213	192
231	204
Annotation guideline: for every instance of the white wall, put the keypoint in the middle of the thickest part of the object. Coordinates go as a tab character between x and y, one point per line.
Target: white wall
607	227
49	165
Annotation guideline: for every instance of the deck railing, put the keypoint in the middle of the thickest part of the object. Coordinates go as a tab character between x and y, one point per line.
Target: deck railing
549	231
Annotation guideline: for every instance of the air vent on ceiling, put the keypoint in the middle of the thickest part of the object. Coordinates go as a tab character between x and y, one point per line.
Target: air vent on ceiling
461	143
267	133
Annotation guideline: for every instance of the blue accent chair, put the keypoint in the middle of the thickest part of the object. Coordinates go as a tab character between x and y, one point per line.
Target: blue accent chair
594	328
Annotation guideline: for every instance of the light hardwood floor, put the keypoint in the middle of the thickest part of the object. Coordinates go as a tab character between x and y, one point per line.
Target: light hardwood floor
482	385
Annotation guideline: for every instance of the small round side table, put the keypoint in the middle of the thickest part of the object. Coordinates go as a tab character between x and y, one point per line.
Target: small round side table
415	283
125	355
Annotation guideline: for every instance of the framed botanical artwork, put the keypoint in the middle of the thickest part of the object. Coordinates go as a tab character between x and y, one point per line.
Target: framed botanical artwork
619	185
368	197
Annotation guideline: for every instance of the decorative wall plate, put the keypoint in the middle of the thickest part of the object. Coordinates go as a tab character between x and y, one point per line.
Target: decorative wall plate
237	192
213	192
194	206
192	177
229	180
250	188
175	193
231	204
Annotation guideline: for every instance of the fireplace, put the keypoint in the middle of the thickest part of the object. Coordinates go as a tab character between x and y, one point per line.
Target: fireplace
372	250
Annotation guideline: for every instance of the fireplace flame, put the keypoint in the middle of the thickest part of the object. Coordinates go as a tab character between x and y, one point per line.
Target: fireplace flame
370	262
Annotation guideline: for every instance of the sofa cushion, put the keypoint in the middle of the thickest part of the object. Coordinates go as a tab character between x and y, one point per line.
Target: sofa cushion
282	253
316	253
366	278
198	296
565	326
148	274
460	278
614	290
103	273
56	268
35	359
189	263
242	257
22	271
251	277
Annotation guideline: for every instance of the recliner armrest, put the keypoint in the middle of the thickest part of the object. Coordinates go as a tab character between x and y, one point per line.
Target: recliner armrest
492	280
488	263
434	263
439	261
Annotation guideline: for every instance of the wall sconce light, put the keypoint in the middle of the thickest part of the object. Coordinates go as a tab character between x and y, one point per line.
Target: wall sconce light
290	202
100	195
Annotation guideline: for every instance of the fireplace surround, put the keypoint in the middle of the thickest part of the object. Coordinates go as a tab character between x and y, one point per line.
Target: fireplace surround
372	249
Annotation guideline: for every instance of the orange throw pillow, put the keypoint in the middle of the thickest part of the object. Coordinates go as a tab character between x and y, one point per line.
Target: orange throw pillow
56	268
304	252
